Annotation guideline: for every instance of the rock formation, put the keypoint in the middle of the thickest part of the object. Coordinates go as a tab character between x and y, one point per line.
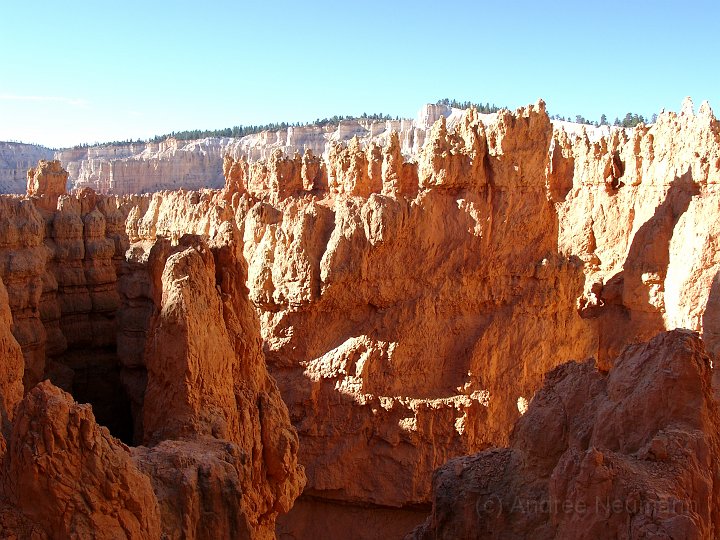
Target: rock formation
196	164
627	454
66	476
368	294
220	454
173	164
408	310
22	268
15	160
11	389
209	402
147	167
48	179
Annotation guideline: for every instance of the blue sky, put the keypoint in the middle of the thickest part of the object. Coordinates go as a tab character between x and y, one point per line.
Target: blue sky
95	71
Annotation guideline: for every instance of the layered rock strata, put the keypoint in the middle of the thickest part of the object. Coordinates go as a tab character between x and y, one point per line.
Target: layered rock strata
173	164
196	164
209	402
368	292
147	167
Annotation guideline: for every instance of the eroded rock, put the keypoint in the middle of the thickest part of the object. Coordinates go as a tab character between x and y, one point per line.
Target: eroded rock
627	454
68	476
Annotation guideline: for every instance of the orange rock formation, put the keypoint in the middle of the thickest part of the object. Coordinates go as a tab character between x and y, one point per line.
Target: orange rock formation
220	454
627	454
408	311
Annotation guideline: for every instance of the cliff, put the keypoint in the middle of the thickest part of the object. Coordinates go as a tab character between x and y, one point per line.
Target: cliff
625	454
220	454
15	160
408	310
147	167
197	164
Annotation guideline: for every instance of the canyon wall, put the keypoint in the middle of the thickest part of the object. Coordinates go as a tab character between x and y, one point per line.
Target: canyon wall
172	164
627	454
15	160
196	164
219	454
408	310
147	167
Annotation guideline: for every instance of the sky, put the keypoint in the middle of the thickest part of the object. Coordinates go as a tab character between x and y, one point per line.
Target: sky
85	72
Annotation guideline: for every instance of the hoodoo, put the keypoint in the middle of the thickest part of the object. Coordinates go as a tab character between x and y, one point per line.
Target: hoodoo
351	343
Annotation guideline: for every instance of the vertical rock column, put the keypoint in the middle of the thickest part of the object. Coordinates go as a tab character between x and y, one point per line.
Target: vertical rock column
68	248
22	265
101	278
213	418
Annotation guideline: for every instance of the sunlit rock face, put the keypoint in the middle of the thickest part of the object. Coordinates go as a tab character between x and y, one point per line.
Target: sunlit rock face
196	164
627	454
407	309
163	345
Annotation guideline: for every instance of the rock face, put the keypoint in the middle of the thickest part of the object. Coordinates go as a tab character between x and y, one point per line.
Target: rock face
408	310
356	289
368	292
48	179
197	164
147	167
11	389
627	454
220	455
210	397
22	268
15	160
68	476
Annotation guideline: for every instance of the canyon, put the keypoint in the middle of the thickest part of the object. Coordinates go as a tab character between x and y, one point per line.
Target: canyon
146	167
296	352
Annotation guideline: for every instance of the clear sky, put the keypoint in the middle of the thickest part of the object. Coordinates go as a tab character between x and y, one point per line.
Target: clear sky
80	71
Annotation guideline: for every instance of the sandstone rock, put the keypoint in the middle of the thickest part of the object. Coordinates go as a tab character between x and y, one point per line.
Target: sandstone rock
147	167
208	391
647	241
223	459
629	454
409	311
398	176
189	350
201	489
11	375
234	174
22	269
312	172
68	476
47	179
197	164
338	300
